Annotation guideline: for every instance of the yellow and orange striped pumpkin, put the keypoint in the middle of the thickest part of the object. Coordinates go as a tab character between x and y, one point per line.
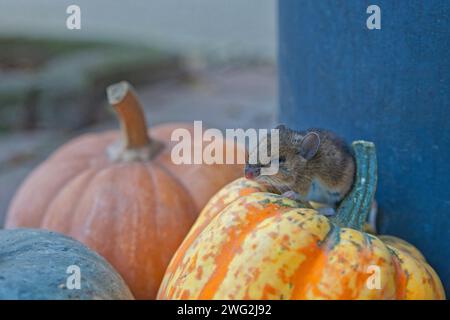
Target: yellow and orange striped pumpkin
249	243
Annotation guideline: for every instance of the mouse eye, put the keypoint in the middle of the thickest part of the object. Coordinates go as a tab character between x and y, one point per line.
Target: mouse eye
282	159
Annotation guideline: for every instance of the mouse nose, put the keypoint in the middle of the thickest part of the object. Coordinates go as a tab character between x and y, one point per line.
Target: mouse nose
252	172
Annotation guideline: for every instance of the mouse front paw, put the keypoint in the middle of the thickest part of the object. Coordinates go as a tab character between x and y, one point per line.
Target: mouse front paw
326	211
291	195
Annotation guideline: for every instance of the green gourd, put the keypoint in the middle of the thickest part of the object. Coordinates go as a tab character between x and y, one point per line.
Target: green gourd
36	265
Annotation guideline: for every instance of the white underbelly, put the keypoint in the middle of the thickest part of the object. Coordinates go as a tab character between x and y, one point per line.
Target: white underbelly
319	193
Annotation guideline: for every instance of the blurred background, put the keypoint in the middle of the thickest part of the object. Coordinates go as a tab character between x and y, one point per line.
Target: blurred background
189	60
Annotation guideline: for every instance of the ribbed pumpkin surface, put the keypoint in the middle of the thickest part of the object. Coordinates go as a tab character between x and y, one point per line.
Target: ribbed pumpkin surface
251	244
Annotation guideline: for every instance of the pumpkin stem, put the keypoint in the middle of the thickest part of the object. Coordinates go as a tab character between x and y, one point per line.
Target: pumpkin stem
132	120
354	209
135	143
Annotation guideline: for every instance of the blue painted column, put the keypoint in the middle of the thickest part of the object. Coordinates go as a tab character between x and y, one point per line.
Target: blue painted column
390	86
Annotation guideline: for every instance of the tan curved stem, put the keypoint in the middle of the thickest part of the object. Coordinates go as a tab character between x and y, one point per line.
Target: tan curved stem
129	110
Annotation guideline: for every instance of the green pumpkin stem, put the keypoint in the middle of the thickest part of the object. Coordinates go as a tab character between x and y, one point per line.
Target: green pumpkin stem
354	209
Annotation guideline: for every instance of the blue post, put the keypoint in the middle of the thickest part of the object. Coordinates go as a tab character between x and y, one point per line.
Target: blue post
390	86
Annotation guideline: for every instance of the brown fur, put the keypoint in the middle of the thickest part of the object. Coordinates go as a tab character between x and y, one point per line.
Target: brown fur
333	165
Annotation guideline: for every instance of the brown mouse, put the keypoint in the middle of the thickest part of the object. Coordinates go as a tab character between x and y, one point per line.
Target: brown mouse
314	165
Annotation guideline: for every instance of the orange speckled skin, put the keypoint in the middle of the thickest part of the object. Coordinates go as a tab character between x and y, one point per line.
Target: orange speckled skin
251	244
135	214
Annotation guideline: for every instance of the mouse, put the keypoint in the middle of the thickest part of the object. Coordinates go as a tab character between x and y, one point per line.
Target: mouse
315	165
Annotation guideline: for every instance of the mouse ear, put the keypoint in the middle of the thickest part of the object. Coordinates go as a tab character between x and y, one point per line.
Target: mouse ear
281	127
309	145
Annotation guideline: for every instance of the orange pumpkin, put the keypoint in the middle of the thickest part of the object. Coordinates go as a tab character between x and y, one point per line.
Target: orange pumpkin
249	243
130	204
